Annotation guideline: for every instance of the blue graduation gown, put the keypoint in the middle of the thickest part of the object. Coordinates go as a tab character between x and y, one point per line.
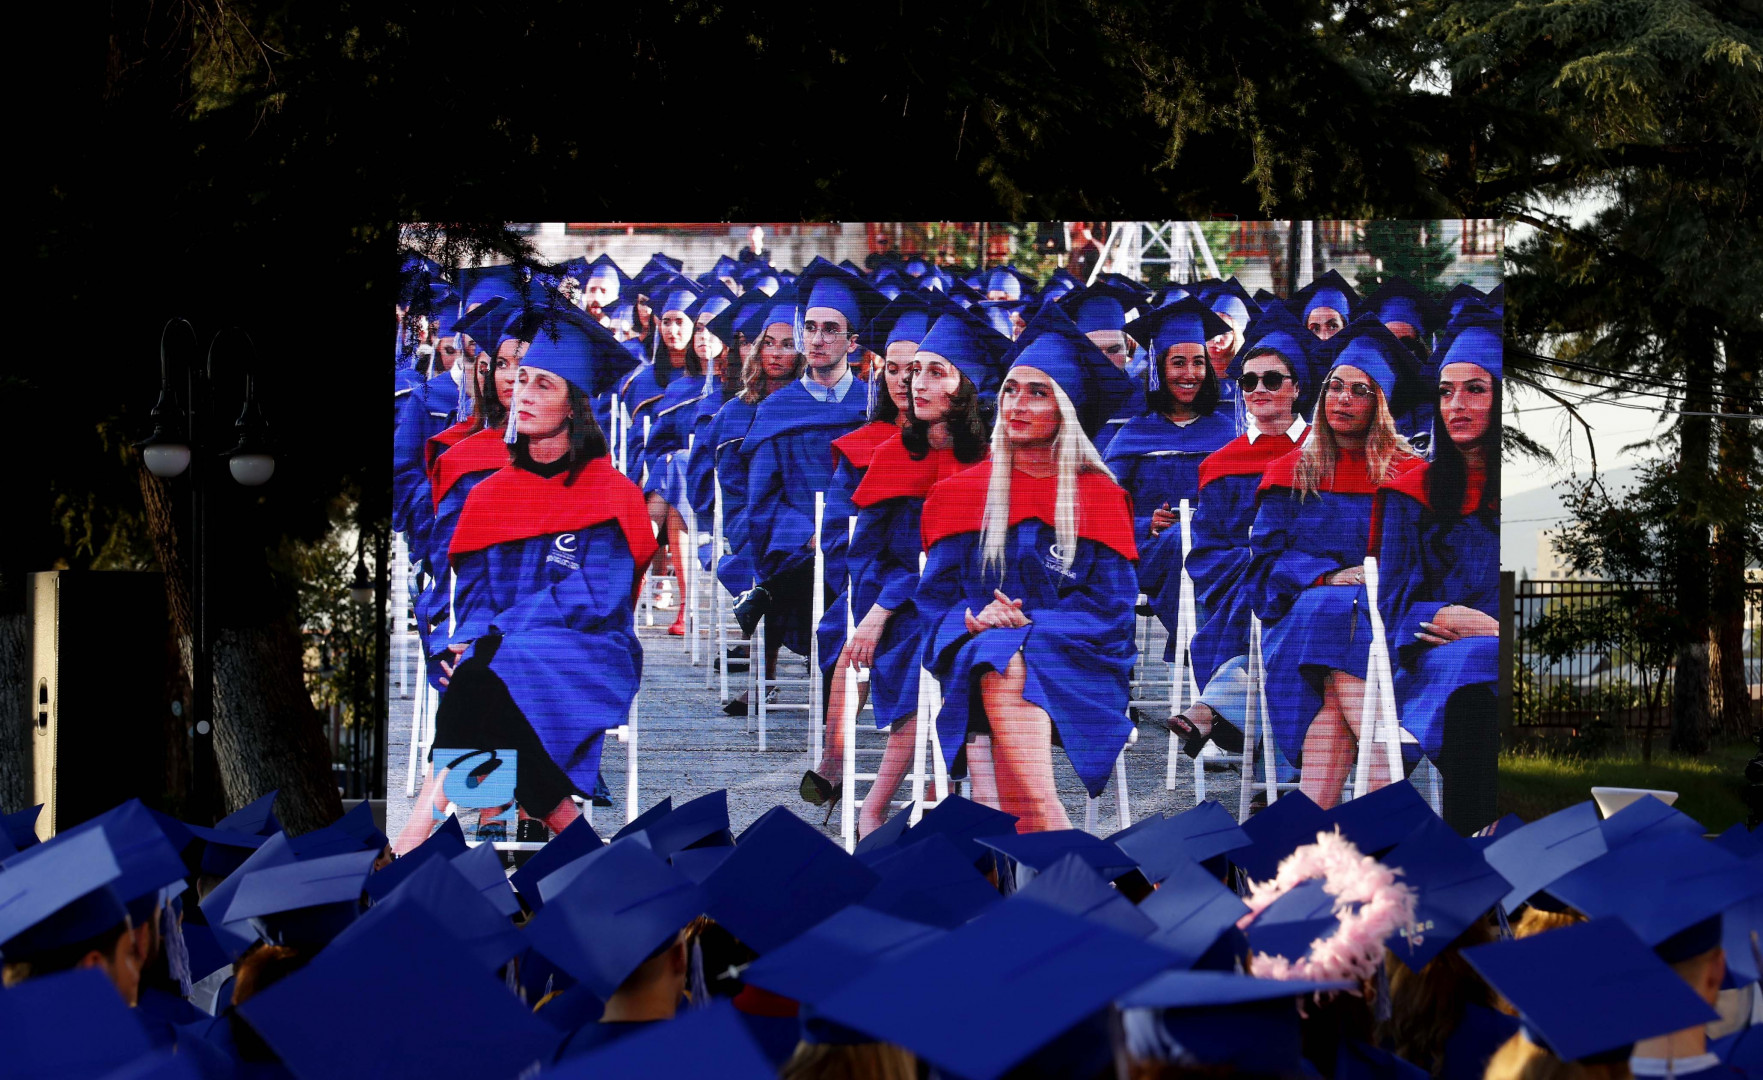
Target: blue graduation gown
851	457
728	433
1219	560
1158	462
456	474
422	414
1132	409
664	454
1310	629
701	467
551	567
1080	648
1423	565
789	458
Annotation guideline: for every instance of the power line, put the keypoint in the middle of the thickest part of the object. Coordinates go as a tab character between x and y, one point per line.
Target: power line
1611	373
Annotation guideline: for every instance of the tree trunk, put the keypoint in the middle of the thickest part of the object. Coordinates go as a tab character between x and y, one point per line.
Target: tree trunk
1692	718
15	714
1738	470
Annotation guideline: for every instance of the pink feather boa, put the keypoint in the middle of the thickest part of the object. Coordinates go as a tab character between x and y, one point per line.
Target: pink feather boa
1355	950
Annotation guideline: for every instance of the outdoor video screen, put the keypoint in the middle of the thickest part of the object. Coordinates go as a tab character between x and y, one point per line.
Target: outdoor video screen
1082	520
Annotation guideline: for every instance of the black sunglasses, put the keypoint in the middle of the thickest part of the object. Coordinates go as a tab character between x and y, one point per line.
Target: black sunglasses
1273	380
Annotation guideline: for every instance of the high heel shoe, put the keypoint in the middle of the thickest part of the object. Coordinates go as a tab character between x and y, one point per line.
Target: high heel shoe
678	629
817	790
1193	740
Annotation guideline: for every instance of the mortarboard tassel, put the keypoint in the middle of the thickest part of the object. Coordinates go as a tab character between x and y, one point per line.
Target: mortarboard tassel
696	987
513	404
177	953
1505	927
1383	994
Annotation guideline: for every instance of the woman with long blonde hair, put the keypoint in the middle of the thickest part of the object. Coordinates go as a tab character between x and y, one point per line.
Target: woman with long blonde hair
1028	587
1314	525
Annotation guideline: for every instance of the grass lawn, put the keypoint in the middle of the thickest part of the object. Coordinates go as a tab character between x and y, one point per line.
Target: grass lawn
1710	787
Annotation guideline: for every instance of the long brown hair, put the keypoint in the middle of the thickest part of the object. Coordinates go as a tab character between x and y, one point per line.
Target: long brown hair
1520	1059
1383	447
1427	1006
753	381
858	1061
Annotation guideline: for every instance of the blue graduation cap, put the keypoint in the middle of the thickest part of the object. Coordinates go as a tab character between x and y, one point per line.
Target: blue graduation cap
477	285
1169	294
823	284
604	269
1125	282
1328	291
699	863
661	262
442	891
716	299
1291	924
372	1007
577	839
890	284
1203	832
1644	819
645	819
1671	890
907	317
930	882
1460	295
615	915
60	896
1055	345
783	877
1192	910
1535	856
71	1025
1229	297
1184	322
916	266
1590	990
725	268
1369	346
1740	842
731	320
274	852
354	831
880	843
835	951
1216	1018
304	904
974	350
1453	885
150	866
763	279
256	816
444	843
674	293
1040	850
1498	829
1060	970
1399	301
1285	825
1103	306
1276	330
1013	283
578	350
1072	886
1379	820
481	866
1000	315
707	1042
1474	338
965	823
20	827
704	820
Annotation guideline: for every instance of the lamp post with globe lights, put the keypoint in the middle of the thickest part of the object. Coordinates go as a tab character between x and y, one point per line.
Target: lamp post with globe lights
179	443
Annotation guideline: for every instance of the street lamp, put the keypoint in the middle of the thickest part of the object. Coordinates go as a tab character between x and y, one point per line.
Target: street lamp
361	589
176	446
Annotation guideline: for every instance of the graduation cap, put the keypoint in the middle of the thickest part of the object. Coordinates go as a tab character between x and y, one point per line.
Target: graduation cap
1229	298
1192	910
1104	306
444	843
1286	824
1215	1018
833	952
661	262
1379	820
645	819
615	915
577	839
1060	283
1644	819
440	889
1588	992
733	319
880	843
673	293
1535	856
71	1025
1291	924
481	866
304	904
1671	890
725	267
1169	294
1000	315
487	324
150	865
784	876
1040	850
373	1006
706	1042
1453	886
1200	834
930	882
273	852
1124	282
1740	841
975	350
824	285
354	831
1368	345
699	863
761	278
1400	301
965	823
1330	291
1474	338
1498	829
1186	321
1013	283
1276	330
716	299
704	820
890	283
1055	345
907	317
578	350
477	285
1072	886
1058	970
20	827
60	896
257	817
1461	294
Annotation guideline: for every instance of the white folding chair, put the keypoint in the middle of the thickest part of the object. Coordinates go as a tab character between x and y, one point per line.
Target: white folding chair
1380	725
724	630
1258	729
927	746
627	734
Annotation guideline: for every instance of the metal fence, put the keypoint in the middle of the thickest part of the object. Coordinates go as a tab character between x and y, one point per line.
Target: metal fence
1604	687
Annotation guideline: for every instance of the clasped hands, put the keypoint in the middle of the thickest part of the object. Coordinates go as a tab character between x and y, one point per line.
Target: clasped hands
1455	621
1002	612
446	668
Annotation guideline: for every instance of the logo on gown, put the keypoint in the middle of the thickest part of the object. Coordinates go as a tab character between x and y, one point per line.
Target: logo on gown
1055	561
563	551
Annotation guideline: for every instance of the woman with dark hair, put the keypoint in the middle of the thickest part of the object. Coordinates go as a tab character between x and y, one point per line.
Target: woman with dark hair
1313	529
946	432
1156	457
549	555
1027	591
1439	560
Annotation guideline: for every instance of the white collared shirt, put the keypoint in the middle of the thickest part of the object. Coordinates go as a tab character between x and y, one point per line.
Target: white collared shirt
834	393
1294	433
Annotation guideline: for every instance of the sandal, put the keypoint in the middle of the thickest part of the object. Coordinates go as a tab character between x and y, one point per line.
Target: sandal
1193	740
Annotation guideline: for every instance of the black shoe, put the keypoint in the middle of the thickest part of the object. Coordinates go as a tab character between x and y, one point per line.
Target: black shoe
817	790
1227	735
750	607
1144	609
737	707
532	831
1193	741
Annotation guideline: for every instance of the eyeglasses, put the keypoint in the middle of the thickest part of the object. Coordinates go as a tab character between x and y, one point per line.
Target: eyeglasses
1273	380
1359	389
814	330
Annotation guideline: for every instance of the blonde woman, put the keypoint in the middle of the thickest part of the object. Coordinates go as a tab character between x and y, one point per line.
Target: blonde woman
1028	588
1314	525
